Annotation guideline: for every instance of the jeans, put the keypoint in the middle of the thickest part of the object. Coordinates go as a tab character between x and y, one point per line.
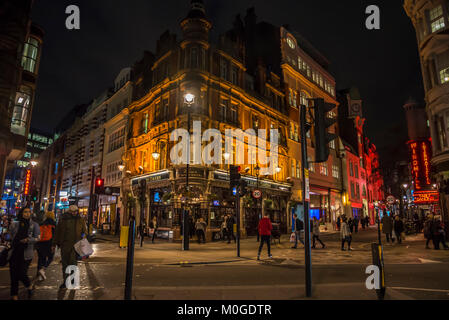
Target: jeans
45	254
346	239
200	235
154	235
18	270
317	237
299	235
267	240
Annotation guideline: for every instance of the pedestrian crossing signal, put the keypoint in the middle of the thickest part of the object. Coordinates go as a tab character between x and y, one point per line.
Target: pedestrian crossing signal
99	186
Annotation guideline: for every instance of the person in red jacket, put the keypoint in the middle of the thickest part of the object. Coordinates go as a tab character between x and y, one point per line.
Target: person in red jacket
265	228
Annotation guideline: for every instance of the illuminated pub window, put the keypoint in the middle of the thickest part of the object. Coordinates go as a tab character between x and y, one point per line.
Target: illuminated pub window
30	55
444	75
21	111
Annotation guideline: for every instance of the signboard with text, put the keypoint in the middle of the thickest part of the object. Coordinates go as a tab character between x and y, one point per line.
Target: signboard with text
27	183
426	197
421	153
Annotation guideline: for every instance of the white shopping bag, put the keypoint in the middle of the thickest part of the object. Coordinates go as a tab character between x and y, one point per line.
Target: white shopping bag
83	248
293	237
57	254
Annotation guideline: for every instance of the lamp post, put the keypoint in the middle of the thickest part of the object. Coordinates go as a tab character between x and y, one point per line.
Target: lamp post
403	195
189	100
257	171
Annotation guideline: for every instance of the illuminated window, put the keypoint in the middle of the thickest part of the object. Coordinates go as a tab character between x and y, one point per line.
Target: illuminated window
303	98
444	75
298	170
294	168
291	43
30	55
323	169
21	110
311	165
436	18
332	144
335	172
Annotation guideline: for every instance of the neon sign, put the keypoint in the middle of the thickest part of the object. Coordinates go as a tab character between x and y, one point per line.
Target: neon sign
27	183
426	197
420	155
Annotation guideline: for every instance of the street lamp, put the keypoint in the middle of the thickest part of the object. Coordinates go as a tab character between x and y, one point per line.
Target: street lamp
189	100
34	163
121	167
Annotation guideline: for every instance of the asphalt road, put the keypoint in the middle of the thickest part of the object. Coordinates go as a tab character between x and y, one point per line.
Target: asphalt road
281	278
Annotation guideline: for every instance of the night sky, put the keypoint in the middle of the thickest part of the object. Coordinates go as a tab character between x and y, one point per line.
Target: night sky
77	66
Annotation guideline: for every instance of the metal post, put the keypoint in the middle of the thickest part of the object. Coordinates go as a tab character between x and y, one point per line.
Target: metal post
186	227
379	236
308	260
91	202
130	254
238	222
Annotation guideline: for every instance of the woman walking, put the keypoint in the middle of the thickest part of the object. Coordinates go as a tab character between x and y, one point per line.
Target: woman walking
316	233
346	235
24	234
153	225
200	227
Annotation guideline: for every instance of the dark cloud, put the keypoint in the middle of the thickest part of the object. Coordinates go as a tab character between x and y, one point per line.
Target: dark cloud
78	65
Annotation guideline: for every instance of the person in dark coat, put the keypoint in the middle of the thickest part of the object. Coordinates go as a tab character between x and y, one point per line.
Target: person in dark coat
398	228
387	227
350	223
338	223
356	224
230	228
439	234
191	226
70	229
24	234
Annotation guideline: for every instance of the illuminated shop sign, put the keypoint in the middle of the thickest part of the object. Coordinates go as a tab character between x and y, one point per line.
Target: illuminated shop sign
27	183
420	153
426	197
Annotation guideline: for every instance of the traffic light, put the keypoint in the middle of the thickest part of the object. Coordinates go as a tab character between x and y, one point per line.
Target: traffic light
243	188
322	123
34	195
99	186
234	177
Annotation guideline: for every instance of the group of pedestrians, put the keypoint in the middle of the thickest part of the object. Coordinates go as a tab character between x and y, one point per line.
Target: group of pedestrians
227	228
393	228
434	231
314	229
26	235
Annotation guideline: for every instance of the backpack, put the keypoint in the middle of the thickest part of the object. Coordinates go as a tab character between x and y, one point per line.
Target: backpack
46	232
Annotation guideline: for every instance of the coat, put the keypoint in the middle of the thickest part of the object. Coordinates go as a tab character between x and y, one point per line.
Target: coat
398	226
387	224
299	225
316	228
344	230
69	231
33	237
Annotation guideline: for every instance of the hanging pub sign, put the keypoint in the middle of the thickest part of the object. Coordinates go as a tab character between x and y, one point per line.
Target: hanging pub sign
420	154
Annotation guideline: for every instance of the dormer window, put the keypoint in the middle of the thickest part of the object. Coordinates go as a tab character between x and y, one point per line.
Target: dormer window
291	43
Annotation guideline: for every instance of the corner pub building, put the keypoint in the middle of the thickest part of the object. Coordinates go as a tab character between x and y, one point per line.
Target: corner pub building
244	81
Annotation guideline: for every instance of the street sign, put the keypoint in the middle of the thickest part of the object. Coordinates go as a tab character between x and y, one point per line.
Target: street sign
257	194
307	191
391	200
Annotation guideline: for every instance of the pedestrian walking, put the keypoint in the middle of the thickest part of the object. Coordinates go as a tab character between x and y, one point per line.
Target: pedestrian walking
398	228
200	227
362	222
350	223
44	247
265	228
338	223
299	231
356	224
191	230
316	233
153	225
230	228
387	227
346	234
439	234
223	228
70	229
428	226
24	234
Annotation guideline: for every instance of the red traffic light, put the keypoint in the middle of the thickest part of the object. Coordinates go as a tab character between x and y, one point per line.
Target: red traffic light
99	182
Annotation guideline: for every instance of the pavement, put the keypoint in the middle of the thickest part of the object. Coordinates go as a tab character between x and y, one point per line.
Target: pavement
214	272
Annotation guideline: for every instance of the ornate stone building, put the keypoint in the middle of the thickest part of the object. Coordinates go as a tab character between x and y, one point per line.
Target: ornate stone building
431	21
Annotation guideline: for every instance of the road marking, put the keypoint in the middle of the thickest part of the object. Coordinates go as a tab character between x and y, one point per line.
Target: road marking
428	261
420	289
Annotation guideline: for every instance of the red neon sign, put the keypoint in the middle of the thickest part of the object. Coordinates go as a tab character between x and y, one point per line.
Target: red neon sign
426	197
420	158
27	183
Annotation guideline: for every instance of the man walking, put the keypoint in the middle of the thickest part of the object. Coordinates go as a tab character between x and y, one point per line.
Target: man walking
230	228
387	227
265	228
316	233
299	231
398	228
70	229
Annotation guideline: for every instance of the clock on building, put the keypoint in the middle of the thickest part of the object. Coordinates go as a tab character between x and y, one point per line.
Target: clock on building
356	108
